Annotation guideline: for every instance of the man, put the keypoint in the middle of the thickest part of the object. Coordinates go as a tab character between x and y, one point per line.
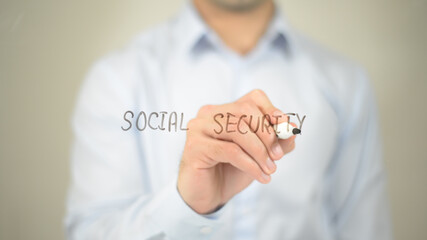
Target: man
223	64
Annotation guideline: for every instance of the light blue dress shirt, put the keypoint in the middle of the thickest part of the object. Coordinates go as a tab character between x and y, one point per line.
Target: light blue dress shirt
123	185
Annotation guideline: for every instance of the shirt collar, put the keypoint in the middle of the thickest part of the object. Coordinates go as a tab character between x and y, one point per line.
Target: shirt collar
196	35
278	30
192	29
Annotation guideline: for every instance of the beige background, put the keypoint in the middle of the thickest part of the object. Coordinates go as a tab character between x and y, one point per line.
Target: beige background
46	47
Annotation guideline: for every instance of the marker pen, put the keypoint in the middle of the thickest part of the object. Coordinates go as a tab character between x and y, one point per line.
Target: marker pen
285	130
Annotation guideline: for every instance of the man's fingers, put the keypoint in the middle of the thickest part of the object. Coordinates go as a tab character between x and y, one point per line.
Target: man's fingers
287	144
260	124
228	152
248	141
227	116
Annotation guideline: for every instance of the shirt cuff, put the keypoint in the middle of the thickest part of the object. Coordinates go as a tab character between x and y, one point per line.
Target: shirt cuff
178	221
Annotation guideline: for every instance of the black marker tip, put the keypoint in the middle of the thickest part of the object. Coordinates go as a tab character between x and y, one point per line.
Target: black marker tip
296	131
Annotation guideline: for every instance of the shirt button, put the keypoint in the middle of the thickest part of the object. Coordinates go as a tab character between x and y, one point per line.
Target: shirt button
205	230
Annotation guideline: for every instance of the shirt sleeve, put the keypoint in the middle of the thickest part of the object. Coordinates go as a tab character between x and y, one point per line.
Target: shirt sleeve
111	194
358	197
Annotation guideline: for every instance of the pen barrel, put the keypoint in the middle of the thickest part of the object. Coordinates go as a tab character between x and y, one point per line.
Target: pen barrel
284	130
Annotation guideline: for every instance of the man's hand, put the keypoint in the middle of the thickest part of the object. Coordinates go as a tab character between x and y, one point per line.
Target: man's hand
216	165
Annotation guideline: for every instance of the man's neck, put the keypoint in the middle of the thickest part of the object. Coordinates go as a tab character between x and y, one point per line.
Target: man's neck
240	31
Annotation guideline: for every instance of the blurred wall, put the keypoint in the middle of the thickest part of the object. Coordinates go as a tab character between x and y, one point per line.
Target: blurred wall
47	46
